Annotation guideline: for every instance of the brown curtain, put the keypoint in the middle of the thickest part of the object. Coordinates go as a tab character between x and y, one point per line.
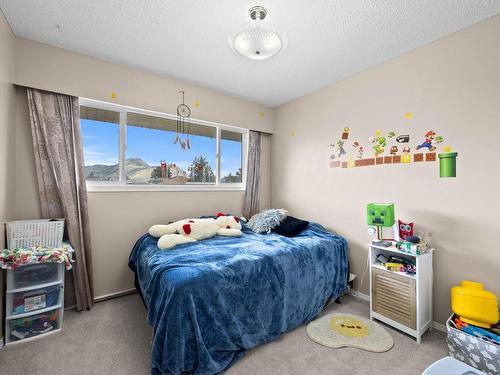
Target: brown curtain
55	127
252	199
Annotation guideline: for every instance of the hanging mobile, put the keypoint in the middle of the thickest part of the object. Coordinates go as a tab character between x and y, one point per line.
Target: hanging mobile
183	113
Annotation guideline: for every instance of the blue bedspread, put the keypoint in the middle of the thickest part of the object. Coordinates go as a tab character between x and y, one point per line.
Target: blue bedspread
210	301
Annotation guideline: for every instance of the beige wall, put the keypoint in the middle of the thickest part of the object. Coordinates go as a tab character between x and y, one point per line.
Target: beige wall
452	86
7	123
45	67
117	219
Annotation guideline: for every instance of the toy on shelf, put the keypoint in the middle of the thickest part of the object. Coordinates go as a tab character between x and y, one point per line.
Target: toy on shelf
405	229
474	305
380	215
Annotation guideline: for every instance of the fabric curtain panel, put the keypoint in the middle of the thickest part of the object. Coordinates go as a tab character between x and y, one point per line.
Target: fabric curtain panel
55	127
251	202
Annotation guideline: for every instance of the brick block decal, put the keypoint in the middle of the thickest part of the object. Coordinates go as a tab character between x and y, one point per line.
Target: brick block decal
364	162
380	160
431	156
396	159
418	157
344	164
335	164
387	159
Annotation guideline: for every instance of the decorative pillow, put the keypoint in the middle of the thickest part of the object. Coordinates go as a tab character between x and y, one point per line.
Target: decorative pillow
291	227
267	220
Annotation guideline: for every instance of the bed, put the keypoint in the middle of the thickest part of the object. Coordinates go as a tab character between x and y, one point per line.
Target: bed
210	301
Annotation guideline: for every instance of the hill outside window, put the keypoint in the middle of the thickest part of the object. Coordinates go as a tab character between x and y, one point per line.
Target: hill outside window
133	149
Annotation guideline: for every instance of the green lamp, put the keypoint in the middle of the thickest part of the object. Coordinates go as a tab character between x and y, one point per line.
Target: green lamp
380	215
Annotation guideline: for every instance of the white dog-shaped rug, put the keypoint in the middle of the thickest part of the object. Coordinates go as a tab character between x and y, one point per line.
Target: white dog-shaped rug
192	230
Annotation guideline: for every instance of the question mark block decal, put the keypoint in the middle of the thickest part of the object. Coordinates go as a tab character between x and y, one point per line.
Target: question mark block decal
406	158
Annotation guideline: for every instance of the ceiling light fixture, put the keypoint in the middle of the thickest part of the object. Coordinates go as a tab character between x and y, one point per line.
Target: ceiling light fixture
257	40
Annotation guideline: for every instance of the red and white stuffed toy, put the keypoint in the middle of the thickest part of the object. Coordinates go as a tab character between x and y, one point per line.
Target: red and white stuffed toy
192	230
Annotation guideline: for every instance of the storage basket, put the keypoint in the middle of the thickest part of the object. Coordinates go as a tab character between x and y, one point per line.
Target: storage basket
474	351
28	233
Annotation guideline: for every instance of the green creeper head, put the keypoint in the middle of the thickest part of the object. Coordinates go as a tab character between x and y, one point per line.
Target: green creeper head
380	214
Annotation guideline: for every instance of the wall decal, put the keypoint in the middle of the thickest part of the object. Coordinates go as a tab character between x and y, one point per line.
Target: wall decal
408	115
113	95
292	133
196	103
345	133
431	139
391	148
261	115
359	148
405	138
448	163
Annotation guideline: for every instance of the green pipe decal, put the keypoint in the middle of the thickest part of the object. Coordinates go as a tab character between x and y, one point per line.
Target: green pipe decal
448	164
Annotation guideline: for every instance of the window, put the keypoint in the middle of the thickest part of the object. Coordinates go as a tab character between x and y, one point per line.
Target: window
231	148
129	148
101	133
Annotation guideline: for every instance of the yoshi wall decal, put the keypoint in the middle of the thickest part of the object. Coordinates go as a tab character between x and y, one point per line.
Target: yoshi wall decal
390	147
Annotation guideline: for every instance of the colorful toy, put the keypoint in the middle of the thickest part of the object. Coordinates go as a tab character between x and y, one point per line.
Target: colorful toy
478	332
192	230
405	229
411	248
380	215
474	305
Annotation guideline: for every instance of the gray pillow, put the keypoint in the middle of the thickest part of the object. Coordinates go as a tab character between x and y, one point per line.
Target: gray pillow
267	220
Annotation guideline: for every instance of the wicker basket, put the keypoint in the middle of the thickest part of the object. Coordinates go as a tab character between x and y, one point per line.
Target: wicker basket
28	233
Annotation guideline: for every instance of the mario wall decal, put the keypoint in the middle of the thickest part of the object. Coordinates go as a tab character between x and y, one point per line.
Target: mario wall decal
431	139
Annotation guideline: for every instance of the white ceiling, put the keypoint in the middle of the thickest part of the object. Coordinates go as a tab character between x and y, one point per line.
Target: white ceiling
327	39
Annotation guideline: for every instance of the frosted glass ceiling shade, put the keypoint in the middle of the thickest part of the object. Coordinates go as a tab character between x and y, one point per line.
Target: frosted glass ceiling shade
257	41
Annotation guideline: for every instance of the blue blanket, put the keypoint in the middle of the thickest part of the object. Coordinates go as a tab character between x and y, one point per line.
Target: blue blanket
212	300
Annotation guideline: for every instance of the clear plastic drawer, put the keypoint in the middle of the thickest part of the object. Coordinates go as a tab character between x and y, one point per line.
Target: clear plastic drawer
32	300
29	275
34	325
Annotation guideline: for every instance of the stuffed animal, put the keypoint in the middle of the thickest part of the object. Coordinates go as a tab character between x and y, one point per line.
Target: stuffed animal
192	230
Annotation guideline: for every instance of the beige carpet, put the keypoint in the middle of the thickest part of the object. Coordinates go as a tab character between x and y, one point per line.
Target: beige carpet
114	339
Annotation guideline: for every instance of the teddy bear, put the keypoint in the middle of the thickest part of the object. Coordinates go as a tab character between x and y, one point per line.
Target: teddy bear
192	230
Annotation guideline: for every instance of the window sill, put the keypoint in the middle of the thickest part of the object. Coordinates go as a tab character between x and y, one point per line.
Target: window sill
93	187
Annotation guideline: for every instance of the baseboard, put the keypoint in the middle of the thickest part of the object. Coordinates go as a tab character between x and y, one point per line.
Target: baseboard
364	297
361	296
105	297
439	327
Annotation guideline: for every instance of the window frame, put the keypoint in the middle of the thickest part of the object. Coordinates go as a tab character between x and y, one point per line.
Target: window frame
121	184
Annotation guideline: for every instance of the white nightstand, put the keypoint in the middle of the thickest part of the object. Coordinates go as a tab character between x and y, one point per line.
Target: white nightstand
401	300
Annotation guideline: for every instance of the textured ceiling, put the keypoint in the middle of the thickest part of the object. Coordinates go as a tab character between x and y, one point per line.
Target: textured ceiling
327	39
